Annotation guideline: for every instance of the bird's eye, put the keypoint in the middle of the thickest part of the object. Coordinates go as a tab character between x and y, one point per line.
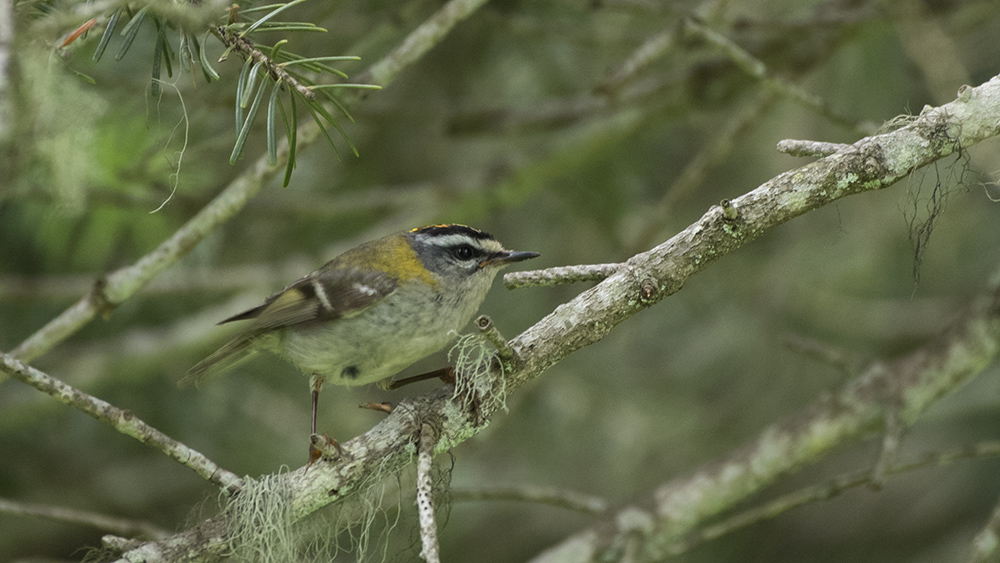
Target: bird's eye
464	252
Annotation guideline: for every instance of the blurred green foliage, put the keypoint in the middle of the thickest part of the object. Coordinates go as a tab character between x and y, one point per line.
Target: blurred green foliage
505	125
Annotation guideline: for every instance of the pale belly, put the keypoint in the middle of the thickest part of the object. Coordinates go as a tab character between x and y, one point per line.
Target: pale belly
348	359
375	345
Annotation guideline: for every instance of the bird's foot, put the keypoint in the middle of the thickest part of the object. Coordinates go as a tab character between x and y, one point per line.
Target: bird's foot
323	447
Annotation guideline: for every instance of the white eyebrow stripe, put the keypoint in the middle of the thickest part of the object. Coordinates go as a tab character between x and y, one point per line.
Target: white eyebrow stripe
321	295
453	240
446	241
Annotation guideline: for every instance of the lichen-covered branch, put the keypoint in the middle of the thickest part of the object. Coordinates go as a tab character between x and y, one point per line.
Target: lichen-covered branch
558	275
871	164
796	147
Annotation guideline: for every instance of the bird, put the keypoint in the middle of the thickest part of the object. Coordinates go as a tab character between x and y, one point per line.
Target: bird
371	311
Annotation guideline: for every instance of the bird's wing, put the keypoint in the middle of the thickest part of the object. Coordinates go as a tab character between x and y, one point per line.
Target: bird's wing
325	295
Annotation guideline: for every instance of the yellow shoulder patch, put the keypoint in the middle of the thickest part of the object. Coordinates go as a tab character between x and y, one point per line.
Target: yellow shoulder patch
397	258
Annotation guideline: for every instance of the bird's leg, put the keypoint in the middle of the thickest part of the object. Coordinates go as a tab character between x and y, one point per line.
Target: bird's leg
316	383
446	374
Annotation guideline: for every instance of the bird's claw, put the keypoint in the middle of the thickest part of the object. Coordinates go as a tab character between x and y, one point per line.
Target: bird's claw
323	447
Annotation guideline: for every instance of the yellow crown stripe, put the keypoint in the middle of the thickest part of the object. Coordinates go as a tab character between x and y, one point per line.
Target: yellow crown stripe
443	226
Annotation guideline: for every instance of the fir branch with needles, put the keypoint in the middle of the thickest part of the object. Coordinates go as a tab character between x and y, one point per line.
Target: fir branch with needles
264	66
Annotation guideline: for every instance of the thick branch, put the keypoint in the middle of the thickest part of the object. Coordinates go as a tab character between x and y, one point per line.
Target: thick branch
872	163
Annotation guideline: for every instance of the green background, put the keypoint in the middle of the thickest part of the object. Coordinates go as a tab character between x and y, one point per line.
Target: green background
504	126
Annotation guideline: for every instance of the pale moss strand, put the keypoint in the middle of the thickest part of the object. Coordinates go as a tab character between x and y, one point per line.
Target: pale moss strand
263	528
473	377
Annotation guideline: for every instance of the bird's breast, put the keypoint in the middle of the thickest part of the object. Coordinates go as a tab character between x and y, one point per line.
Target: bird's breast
412	323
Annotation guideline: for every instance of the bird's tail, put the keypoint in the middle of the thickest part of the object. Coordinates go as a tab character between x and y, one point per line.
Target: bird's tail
234	353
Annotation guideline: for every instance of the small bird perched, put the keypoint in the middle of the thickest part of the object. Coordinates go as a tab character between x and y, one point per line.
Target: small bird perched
373	310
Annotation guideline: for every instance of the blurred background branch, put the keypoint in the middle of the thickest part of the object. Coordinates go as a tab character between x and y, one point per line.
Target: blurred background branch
103	522
6	72
570	500
904	387
585	131
914	381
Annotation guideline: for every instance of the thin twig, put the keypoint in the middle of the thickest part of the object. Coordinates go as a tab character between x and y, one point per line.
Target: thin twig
552	496
485	325
830	489
843	360
121	420
246	49
559	275
797	147
113	524
655	47
697	168
425	495
757	69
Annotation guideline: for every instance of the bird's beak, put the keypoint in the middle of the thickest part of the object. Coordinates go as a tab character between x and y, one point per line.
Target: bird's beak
508	257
